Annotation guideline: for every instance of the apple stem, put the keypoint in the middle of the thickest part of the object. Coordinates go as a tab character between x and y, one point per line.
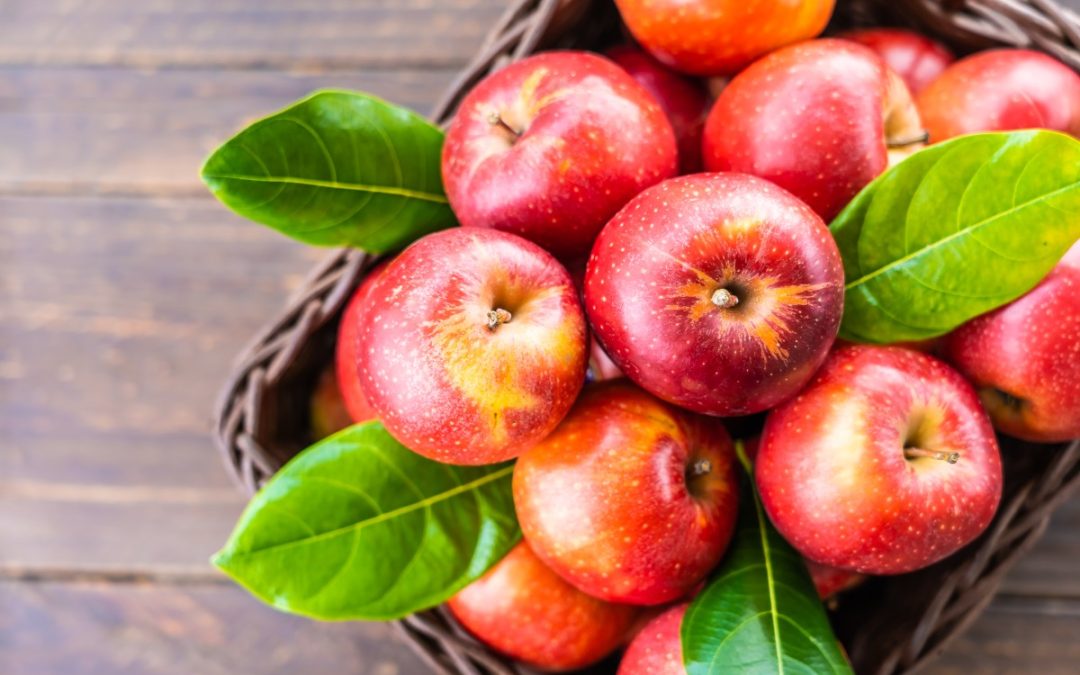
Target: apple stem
497	317
496	119
722	297
700	468
905	142
950	457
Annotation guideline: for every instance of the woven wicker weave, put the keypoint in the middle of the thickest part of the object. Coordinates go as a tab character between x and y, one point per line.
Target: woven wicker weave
261	415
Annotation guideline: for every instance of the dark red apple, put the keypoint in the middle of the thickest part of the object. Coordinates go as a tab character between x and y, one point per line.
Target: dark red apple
550	147
719	37
629	499
884	464
684	100
526	611
912	56
1024	358
475	346
1002	90
720	293
657	648
819	119
345	362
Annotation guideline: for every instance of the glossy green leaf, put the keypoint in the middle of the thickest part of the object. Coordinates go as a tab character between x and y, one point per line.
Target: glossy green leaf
337	168
359	527
956	230
760	613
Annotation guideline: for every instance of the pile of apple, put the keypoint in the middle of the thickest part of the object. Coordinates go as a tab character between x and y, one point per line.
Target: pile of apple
619	225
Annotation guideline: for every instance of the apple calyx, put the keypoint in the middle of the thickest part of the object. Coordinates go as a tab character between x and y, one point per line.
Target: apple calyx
699	467
914	453
724	298
497	317
496	119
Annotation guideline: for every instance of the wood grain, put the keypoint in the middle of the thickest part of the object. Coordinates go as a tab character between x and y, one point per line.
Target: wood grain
119	130
279	34
141	629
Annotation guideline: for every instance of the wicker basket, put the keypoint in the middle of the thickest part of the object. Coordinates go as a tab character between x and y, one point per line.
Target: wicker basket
261	416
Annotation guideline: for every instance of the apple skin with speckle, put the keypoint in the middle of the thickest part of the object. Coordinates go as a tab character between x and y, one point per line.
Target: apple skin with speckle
855	471
817	119
524	610
684	100
629	499
657	648
1024	358
1001	90
720	37
345	363
550	147
475	346
912	56
654	283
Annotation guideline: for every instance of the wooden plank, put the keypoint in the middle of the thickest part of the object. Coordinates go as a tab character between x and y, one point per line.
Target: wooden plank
244	33
140	629
131	131
1050	569
119	322
1017	636
51	530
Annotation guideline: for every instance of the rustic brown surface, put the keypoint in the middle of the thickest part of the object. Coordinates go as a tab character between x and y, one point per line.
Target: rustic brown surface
125	291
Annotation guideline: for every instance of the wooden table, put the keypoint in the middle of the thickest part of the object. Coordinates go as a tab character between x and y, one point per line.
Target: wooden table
126	290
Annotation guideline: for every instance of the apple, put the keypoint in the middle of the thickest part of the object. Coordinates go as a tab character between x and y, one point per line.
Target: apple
820	119
328	412
526	611
720	293
914	57
629	499
684	100
475	346
345	362
657	648
884	464
831	581
720	37
1002	90
550	147
828	581
1024	358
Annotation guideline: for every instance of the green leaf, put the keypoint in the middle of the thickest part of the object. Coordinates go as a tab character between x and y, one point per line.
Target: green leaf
760	613
956	230
359	527
337	168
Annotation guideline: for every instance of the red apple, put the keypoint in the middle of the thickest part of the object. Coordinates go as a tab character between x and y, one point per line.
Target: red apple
912	56
720	293
1002	90
328	413
719	37
884	464
526	611
830	581
1024	358
630	500
657	648
550	147
817	118
475	346
348	378
684	100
